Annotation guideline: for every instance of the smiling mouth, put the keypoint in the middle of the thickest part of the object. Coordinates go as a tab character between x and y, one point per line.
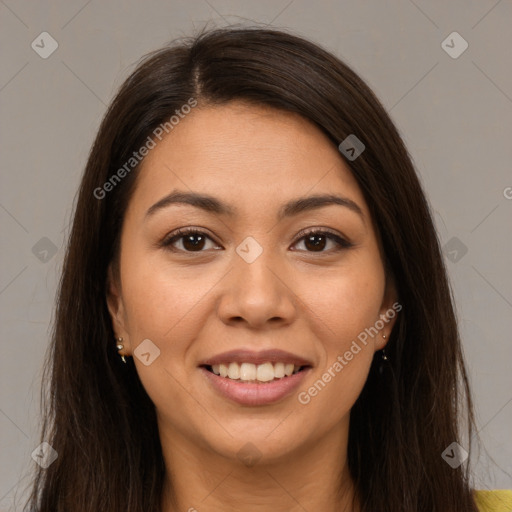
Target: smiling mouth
252	373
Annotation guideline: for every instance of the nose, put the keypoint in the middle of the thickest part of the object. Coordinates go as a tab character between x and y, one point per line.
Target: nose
258	294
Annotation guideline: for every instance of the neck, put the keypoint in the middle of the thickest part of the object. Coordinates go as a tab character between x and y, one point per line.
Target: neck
311	478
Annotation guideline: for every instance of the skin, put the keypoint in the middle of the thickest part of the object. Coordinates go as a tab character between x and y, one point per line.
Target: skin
193	305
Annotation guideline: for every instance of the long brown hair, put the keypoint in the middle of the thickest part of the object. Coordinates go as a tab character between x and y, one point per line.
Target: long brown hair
98	416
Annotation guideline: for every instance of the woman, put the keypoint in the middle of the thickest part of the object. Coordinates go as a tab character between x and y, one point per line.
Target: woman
254	312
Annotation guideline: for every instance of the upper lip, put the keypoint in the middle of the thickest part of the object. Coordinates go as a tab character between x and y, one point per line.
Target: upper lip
263	356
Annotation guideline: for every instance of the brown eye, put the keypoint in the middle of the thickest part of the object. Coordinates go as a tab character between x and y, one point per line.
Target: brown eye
192	240
316	241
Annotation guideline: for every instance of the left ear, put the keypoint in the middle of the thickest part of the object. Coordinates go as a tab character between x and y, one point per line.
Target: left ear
388	313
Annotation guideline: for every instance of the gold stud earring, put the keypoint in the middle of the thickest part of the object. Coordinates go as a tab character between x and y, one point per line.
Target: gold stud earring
384	356
120	346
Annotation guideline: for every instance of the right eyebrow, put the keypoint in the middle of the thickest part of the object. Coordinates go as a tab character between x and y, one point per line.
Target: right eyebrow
204	201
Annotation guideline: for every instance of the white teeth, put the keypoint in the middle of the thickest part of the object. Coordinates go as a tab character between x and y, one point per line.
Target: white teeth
265	372
250	372
234	371
247	371
279	370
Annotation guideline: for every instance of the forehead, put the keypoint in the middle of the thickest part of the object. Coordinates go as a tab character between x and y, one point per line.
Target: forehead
251	156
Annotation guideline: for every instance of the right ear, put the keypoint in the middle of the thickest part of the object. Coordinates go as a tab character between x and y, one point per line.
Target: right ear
116	306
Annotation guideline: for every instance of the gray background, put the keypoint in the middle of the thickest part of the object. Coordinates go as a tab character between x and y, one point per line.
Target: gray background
454	114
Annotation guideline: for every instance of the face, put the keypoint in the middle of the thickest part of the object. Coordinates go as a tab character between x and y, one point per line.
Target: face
254	283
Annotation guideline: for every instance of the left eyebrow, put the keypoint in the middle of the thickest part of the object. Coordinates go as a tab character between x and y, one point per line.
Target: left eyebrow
211	204
303	204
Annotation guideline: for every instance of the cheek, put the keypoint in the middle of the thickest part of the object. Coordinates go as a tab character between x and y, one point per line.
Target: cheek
162	304
160	296
345	308
345	302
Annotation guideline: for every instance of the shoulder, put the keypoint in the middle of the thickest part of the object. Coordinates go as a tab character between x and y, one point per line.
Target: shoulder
494	501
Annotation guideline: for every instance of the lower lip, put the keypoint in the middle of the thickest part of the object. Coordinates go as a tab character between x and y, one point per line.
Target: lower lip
255	393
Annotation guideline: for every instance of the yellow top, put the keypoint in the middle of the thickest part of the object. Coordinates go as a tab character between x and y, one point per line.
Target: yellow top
494	501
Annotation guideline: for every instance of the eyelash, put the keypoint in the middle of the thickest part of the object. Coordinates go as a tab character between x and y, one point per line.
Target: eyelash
182	232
